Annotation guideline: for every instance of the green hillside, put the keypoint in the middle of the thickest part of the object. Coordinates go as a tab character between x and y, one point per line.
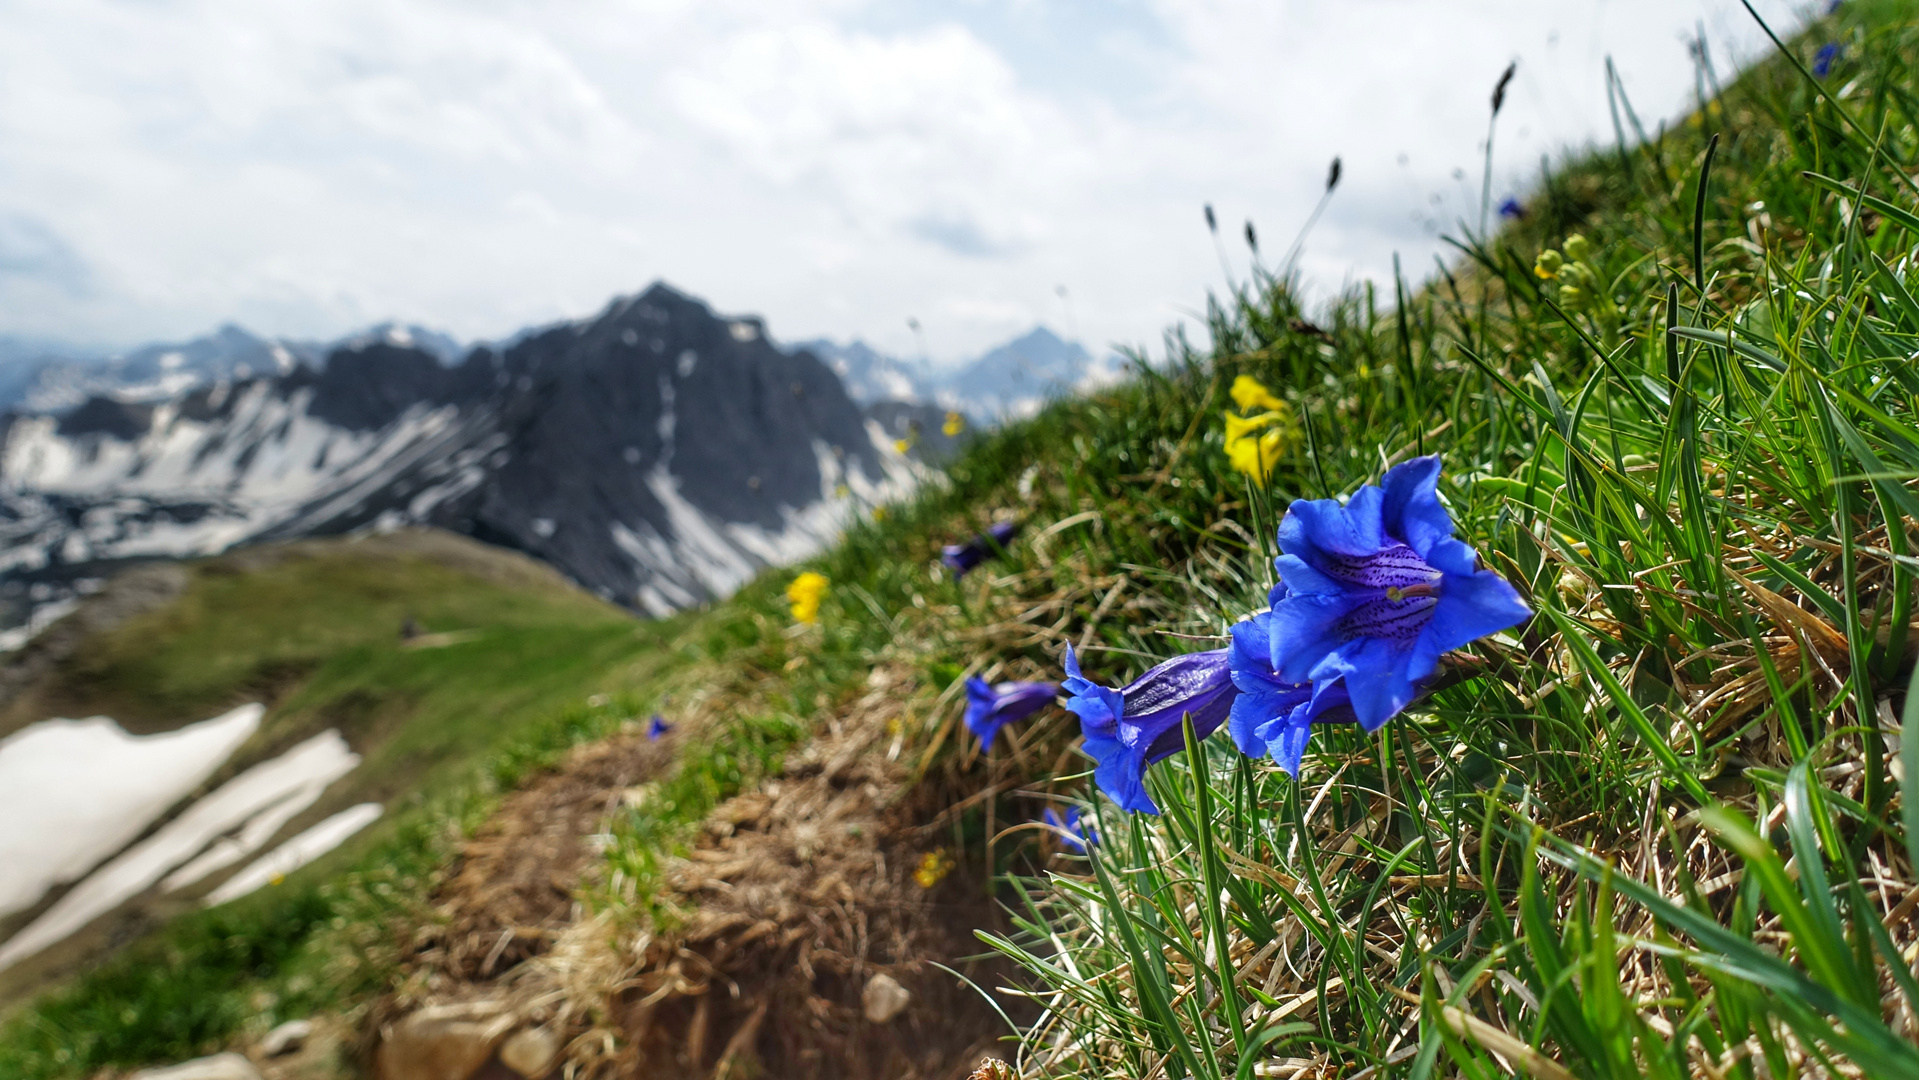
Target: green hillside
1656	829
314	630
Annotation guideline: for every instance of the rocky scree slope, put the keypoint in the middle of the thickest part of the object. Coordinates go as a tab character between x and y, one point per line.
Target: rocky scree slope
659	454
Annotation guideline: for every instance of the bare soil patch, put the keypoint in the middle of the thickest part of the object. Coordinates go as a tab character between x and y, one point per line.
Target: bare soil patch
511	892
803	908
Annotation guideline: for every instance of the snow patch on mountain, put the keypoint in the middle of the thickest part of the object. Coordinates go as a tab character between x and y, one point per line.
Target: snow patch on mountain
659	454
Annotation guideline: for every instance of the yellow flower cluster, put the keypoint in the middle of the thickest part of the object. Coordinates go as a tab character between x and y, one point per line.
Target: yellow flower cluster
804	596
933	868
1579	281
1256	439
955	423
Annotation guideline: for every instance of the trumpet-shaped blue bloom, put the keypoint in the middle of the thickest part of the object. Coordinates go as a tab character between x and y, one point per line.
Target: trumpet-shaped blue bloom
1130	728
991	706
1511	208
1822	62
1071	827
960	558
657	727
1378	590
1270	715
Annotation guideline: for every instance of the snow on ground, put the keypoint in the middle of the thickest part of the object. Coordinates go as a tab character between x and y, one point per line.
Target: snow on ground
73	792
296	852
298	776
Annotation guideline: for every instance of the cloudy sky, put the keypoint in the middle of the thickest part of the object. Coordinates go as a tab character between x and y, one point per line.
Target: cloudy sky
835	165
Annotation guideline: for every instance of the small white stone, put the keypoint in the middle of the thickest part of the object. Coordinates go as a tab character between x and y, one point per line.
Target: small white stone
531	1052
884	998
286	1038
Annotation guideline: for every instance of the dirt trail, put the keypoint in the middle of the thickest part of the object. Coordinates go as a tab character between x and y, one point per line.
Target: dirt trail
816	915
511	893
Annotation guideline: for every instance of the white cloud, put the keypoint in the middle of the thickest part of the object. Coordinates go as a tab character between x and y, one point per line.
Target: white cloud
837	165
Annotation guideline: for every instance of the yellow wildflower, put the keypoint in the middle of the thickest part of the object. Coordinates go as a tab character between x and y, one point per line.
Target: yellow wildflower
933	868
1548	265
879	513
955	423
805	594
1254	443
902	445
1249	394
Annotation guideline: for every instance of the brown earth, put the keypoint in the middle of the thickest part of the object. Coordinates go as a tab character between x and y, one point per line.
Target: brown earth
511	892
793	899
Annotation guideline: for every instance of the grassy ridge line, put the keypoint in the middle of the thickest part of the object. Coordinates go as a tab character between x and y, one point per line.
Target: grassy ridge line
442	731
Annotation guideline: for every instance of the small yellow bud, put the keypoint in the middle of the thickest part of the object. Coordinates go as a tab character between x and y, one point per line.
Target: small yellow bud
1548	265
933	869
804	596
1577	248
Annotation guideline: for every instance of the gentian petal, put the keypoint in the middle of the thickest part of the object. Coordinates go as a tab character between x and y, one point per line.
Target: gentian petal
1306	629
1288	735
1263	696
1289	745
1411	510
1377	680
980	718
1470	607
1127	730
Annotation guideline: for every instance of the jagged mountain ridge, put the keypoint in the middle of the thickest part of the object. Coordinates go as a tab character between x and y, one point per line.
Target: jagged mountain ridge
1014	379
657	453
46	377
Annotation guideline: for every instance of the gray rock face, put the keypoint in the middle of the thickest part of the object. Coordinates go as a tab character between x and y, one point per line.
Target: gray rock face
658	453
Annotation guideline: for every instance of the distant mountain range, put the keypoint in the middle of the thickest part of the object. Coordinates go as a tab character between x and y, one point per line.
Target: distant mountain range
1012	380
658	453
45	377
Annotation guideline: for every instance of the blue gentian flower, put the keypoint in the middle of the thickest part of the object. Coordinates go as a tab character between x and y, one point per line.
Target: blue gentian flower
1379	589
1071	827
1270	715
960	558
991	706
1511	208
657	727
1130	728
1822	62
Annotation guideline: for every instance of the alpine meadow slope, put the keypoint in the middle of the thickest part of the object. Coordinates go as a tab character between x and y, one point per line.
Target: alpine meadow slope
1657	829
